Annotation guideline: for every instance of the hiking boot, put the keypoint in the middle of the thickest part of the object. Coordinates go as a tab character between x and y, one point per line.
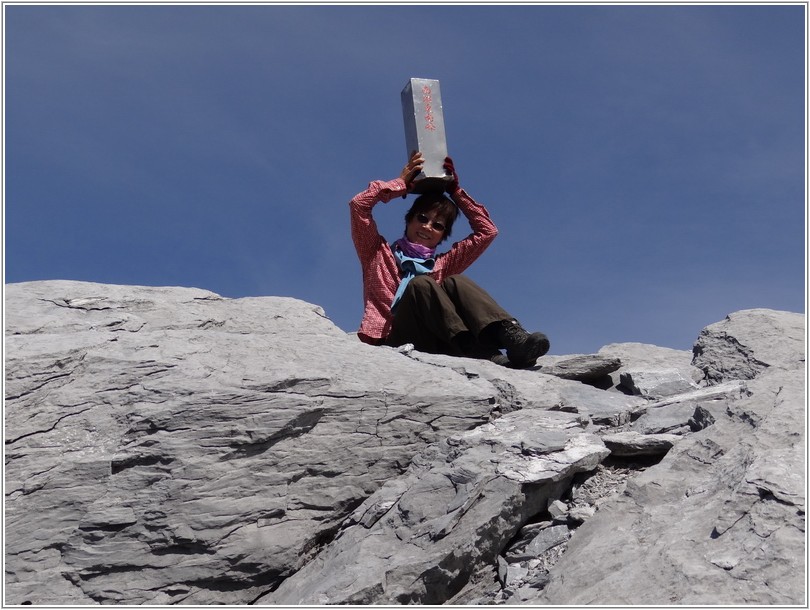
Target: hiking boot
471	348
522	349
493	355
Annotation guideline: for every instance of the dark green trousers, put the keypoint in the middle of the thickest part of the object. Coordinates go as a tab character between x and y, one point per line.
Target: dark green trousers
448	318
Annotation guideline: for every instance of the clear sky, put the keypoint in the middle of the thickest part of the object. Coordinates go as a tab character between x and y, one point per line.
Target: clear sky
643	163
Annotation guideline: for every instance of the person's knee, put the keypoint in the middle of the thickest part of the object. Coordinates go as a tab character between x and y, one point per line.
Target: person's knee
422	282
452	283
452	280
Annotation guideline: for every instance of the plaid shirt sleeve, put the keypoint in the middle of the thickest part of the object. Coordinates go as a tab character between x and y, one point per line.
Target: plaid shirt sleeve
365	236
379	269
465	252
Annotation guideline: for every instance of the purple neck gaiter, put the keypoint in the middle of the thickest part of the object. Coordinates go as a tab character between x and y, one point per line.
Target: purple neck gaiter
414	250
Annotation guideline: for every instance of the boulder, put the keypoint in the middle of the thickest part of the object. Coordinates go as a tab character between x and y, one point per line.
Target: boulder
656	384
721	518
645	357
634	443
587	368
748	342
167	445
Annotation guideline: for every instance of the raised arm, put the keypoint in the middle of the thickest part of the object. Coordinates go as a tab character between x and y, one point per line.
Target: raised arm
365	235
484	231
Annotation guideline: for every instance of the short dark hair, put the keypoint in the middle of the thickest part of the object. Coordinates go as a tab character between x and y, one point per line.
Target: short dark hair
440	202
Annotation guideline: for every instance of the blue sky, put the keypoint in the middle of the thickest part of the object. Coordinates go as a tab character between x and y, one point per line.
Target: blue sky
644	163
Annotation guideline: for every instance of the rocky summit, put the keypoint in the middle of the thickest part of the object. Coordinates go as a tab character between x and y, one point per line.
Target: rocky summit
171	446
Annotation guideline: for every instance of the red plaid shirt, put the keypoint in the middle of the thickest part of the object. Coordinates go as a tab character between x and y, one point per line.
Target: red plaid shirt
381	275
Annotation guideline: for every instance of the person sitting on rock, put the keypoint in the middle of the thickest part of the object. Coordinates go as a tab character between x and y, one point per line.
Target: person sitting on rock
412	295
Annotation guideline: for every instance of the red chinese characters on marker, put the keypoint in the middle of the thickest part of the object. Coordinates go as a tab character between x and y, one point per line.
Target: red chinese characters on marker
430	125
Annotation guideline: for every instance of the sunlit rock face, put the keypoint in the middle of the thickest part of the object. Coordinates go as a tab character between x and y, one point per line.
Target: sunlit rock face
171	446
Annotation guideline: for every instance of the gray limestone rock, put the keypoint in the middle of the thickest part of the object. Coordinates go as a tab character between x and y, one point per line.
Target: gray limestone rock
464	499
678	414
656	384
590	367
645	357
541	542
167	445
579	514
701	418
170	446
720	520
748	342
558	510
634	443
520	389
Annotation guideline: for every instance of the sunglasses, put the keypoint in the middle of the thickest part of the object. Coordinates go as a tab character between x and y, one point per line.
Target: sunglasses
435	224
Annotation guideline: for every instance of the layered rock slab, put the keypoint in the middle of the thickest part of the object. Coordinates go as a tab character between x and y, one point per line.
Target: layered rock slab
422	536
167	445
748	342
721	519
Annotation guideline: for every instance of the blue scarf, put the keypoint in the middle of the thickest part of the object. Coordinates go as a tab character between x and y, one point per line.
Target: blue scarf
411	266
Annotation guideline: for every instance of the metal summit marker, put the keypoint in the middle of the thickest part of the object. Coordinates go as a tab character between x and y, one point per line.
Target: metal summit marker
424	131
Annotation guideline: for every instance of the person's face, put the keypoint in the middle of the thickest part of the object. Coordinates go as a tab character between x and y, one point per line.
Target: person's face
426	229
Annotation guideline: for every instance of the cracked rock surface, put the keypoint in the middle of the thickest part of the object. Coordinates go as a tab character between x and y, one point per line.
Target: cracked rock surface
170	446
